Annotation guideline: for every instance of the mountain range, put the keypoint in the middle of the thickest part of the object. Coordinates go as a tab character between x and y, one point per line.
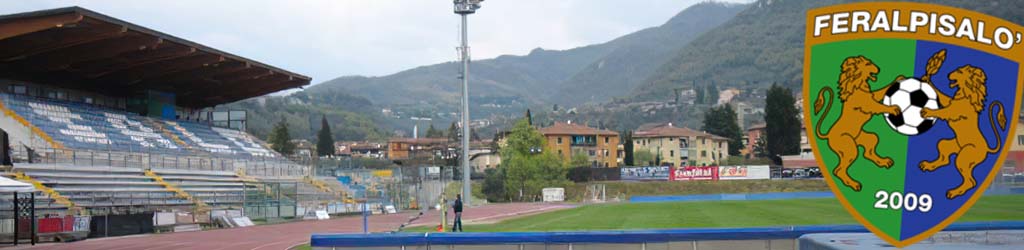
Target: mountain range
593	73
743	46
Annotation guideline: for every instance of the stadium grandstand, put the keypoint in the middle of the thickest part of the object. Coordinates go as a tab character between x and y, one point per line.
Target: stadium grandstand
107	117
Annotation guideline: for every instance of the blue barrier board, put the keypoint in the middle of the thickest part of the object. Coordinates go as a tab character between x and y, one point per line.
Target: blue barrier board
633	236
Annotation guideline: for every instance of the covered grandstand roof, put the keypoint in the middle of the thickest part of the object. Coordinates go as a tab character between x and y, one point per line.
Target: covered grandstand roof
77	48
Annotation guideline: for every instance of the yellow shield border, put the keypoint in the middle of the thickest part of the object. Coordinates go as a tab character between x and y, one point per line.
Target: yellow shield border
874	7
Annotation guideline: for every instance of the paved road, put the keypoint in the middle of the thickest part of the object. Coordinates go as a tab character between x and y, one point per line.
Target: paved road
284	236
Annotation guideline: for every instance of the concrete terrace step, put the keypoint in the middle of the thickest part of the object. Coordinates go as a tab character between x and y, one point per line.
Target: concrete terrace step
42	175
196	178
63	190
91	183
69	168
189	172
185	184
211	189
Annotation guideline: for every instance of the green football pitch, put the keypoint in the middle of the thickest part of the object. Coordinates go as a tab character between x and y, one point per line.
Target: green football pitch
719	214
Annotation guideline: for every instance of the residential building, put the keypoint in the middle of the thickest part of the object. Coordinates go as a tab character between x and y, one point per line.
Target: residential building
754	133
362	149
600	146
805	144
303	148
680	146
411	148
483	159
1015	158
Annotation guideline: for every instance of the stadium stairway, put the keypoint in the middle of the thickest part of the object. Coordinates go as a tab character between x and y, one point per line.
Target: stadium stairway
348	194
98	189
221	189
180	193
306	193
47	191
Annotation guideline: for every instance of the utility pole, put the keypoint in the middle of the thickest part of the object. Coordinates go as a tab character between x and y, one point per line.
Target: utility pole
464	8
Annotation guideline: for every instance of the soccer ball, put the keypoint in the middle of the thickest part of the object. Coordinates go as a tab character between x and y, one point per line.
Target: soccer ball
910	95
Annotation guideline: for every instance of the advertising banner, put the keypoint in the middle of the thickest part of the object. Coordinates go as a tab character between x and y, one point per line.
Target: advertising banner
759	172
690	173
652	173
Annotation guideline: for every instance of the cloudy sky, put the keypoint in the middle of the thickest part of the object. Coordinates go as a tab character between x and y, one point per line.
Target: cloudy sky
330	38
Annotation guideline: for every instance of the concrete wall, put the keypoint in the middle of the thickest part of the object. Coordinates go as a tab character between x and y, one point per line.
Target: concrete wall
20	134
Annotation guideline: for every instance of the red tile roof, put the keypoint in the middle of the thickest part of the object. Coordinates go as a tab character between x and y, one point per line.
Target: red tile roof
667	130
562	128
420	140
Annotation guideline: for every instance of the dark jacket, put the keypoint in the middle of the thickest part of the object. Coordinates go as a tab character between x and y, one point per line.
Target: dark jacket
457	206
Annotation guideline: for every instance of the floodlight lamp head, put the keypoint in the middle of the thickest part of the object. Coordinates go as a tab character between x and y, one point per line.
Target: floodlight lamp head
465	7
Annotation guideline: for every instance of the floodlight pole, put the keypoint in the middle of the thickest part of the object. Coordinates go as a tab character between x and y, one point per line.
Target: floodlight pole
464	8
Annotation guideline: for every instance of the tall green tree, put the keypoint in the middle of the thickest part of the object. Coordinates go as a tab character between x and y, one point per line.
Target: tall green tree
627	148
324	139
526	172
700	93
712	96
473	135
494	185
280	140
529	117
782	122
579	159
644	157
453	132
433	132
760	148
721	121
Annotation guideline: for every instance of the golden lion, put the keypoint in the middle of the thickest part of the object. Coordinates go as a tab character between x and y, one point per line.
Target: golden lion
859	105
962	112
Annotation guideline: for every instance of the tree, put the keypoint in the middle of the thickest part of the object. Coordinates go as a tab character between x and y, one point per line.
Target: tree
453	132
529	117
325	140
700	93
712	96
579	159
526	172
782	122
760	148
473	135
627	148
433	132
280	140
643	157
721	121
494	185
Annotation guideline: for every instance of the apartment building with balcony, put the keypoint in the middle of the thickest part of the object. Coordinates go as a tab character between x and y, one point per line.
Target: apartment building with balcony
600	146
680	146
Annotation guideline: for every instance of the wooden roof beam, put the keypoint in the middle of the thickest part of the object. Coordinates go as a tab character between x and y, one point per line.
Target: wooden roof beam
135	60
136	74
241	85
264	88
28	25
241	75
189	77
63	42
63	59
29	43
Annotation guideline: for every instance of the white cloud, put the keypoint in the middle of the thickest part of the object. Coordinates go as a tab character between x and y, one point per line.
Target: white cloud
326	39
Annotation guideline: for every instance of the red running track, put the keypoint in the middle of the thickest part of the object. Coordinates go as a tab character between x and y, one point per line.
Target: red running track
286	235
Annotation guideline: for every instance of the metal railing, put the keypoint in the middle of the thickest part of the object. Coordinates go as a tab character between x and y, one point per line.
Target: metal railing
254	166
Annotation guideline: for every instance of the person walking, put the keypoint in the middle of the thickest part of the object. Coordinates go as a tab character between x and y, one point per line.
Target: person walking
457	206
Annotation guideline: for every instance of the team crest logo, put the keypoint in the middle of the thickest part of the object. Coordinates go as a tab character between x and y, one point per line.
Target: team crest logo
909	108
